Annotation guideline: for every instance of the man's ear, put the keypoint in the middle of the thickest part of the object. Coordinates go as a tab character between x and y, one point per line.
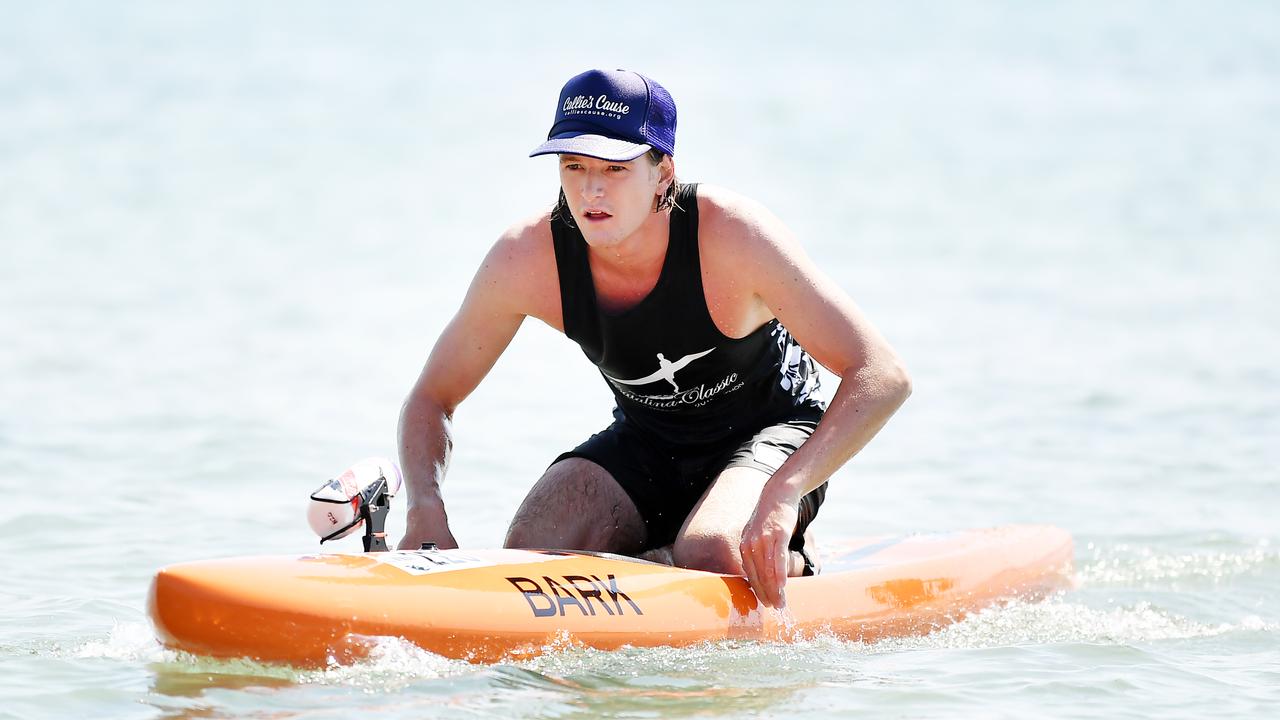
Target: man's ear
667	172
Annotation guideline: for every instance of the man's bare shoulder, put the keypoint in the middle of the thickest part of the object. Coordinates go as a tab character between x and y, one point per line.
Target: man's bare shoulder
522	252
734	224
521	269
526	239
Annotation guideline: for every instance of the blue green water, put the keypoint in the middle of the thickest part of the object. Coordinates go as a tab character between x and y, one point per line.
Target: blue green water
230	232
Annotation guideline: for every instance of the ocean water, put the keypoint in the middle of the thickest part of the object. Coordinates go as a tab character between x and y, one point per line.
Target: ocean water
230	232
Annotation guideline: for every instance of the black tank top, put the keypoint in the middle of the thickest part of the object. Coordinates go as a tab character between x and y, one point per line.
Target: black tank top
674	374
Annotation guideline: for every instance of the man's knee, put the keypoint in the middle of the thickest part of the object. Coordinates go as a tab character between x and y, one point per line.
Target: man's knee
712	552
526	534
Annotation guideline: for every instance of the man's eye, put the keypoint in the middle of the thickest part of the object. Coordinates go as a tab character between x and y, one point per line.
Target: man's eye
616	168
573	166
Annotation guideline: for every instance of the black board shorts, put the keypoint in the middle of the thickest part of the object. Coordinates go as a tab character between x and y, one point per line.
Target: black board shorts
666	481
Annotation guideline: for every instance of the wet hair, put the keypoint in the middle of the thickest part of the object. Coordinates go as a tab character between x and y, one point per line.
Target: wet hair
666	202
668	199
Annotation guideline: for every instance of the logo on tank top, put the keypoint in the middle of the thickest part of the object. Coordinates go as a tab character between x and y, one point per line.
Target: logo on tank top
667	370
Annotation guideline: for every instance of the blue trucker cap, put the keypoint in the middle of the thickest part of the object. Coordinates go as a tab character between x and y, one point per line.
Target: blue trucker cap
612	115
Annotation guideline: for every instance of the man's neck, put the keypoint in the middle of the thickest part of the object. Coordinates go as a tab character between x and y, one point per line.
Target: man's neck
643	250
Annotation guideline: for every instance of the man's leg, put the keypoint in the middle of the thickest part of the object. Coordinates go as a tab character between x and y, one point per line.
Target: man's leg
577	505
711	535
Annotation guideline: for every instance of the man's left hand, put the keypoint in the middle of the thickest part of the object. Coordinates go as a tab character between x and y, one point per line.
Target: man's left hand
766	556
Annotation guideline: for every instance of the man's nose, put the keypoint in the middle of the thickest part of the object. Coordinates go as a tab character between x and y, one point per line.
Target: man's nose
594	185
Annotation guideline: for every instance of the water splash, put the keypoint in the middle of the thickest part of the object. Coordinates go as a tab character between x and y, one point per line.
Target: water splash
1057	622
1145	566
130	641
393	663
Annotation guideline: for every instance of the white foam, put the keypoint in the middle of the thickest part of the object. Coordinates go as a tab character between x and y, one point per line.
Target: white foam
133	641
392	663
1059	621
1129	565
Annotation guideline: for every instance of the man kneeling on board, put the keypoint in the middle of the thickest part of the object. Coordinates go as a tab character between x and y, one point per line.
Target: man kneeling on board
705	318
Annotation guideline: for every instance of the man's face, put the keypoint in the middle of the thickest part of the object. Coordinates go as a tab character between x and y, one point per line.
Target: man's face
610	199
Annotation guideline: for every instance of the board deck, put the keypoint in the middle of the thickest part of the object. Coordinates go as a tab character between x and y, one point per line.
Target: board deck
487	605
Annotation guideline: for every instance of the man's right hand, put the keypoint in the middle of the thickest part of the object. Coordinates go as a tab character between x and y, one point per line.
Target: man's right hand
427	525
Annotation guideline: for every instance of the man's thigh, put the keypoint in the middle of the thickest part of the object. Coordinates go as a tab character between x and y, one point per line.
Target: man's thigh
577	505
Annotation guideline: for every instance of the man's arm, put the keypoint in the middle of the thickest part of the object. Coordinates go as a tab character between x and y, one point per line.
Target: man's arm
827	323
493	310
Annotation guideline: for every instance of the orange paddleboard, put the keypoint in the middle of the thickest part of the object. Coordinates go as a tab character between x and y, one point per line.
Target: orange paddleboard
486	605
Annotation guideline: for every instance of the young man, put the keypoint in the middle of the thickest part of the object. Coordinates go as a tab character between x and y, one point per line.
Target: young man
703	314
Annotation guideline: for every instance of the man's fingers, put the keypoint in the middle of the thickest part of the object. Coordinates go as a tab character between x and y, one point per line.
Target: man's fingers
748	566
778	559
774	578
760	566
755	561
767	580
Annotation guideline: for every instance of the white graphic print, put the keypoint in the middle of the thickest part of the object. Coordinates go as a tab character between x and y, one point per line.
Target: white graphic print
666	371
677	398
602	105
799	376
